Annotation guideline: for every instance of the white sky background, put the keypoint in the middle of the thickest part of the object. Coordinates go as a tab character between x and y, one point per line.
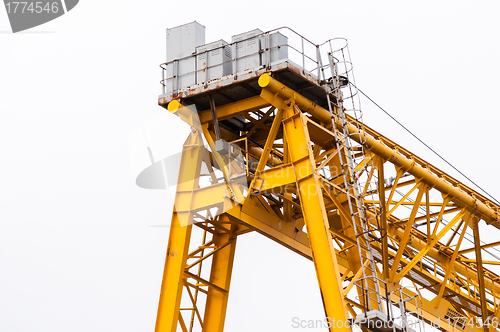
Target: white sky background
77	252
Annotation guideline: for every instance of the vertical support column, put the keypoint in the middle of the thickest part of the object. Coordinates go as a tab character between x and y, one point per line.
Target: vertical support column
287	205
220	275
179	237
497	316
313	209
214	115
480	272
383	217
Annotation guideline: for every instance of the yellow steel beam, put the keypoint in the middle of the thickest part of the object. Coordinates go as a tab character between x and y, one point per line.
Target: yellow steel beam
268	224
183	325
225	111
484	246
427	215
480	273
218	248
275	179
270	141
341	209
452	236
466	260
287	192
204	282
383	218
313	209
344	237
399	174
367	201
203	198
330	154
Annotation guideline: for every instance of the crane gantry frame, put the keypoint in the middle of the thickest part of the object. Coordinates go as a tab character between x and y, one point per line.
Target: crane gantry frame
279	190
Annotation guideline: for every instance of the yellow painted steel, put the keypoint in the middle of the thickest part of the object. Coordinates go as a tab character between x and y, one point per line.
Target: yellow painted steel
311	199
275	179
452	259
279	90
383	213
225	111
480	272
428	247
222	267
274	90
179	238
290	202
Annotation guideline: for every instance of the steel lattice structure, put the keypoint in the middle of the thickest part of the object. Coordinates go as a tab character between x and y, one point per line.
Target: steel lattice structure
289	183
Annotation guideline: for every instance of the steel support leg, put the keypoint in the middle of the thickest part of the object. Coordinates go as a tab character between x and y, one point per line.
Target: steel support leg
480	272
313	209
220	275
178	242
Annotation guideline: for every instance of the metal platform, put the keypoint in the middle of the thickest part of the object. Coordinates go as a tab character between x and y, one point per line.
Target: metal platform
231	88
377	321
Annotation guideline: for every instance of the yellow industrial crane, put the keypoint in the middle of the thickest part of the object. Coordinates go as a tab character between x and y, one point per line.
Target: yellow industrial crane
278	147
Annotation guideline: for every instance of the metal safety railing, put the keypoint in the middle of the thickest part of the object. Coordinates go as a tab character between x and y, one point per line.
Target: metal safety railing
297	50
357	167
368	292
399	311
405	316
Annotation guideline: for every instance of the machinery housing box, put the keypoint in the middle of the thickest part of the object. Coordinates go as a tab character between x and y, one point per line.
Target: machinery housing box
247	50
181	44
278	47
213	61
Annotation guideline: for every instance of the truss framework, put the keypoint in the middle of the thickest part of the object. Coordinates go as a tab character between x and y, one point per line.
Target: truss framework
293	194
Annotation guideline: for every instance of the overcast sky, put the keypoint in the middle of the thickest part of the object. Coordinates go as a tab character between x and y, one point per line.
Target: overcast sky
77	250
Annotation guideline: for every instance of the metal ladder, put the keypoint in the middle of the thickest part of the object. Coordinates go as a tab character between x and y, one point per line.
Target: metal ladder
359	220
